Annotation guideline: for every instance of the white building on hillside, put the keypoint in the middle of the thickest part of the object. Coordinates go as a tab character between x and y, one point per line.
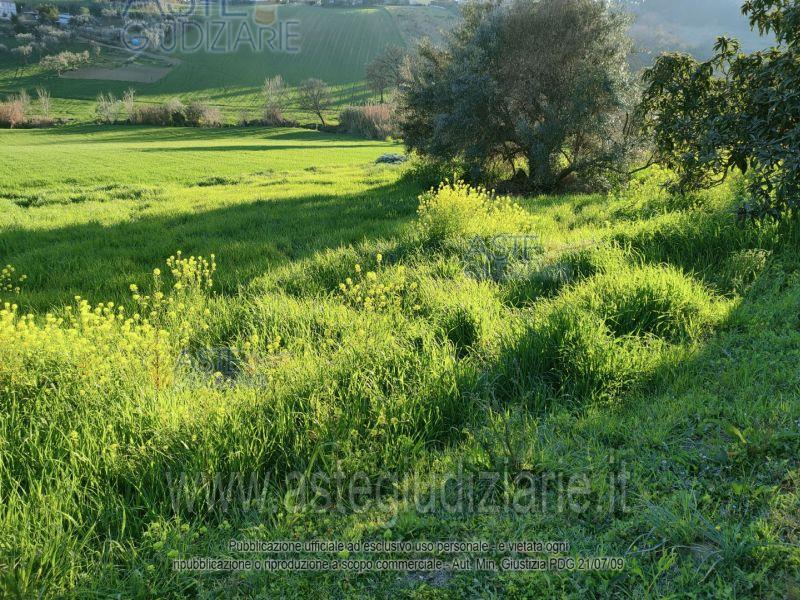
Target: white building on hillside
7	10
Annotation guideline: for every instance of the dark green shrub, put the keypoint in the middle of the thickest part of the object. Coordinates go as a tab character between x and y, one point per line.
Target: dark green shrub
541	84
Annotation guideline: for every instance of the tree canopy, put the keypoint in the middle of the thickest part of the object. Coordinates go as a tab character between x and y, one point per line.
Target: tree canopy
734	112
540	87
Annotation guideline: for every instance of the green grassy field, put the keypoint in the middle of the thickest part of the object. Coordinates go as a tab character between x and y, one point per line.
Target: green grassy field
332	44
647	355
131	196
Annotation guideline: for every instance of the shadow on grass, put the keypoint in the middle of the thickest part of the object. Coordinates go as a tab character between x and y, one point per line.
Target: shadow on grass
707	245
100	262
258	148
103	134
544	370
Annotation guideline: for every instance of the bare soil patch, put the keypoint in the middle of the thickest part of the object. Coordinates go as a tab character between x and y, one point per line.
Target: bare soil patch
135	73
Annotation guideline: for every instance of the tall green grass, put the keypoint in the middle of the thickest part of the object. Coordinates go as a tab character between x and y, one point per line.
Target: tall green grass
645	332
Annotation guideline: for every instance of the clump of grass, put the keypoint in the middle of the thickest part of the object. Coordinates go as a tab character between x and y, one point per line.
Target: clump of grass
743	267
219	180
566	352
549	274
659	301
325	271
314	276
467	312
35	198
602	337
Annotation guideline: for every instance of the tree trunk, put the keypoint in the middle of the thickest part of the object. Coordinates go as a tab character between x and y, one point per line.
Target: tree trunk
544	173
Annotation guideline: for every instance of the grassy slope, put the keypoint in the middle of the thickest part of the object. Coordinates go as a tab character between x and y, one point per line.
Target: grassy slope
335	45
686	376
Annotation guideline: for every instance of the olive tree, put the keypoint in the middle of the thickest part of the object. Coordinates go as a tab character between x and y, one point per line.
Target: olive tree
543	85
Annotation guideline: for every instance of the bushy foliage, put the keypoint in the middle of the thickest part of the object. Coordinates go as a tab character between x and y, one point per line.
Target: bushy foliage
538	85
385	72
23	52
172	112
175	113
371	121
48	13
733	112
12	113
456	212
275	101
107	108
202	115
64	61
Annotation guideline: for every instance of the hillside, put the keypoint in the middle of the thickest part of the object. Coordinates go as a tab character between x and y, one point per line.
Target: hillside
688	26
332	44
642	351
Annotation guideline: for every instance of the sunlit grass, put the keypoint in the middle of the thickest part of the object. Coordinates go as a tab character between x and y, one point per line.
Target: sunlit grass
646	333
129	196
